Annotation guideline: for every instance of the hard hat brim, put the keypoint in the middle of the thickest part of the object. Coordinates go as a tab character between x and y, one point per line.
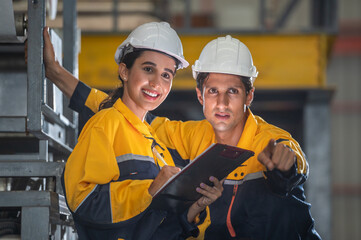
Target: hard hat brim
183	63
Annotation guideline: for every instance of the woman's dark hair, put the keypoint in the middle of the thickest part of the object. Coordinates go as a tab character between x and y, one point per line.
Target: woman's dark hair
128	60
202	77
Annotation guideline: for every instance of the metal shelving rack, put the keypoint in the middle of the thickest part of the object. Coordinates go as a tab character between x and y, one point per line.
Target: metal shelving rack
37	130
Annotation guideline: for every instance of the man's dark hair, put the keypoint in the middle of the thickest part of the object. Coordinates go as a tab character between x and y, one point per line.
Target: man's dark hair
202	77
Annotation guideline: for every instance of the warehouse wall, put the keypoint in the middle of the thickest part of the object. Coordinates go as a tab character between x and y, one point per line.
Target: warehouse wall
344	72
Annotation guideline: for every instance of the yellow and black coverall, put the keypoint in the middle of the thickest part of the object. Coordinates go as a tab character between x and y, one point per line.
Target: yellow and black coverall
255	203
107	176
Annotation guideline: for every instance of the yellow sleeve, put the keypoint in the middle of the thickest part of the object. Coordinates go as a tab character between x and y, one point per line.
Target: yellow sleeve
92	189
186	138
86	100
286	138
302	165
94	99
280	183
170	133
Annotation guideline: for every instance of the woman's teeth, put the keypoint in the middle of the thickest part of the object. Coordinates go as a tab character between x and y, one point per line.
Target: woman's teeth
150	93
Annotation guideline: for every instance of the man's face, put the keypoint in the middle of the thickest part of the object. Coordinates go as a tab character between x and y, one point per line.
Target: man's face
224	102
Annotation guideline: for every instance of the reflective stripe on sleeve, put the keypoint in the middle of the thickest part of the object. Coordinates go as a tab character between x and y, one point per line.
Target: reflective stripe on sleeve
131	156
248	177
86	197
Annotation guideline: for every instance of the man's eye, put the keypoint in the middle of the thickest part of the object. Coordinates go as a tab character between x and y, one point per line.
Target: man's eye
233	91
212	90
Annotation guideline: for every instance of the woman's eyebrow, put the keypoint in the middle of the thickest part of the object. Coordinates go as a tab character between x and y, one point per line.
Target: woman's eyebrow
169	70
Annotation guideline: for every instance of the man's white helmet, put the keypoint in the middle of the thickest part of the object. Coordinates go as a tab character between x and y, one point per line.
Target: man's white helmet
157	36
225	55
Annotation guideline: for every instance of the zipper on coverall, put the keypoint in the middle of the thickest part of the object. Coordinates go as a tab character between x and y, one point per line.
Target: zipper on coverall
229	223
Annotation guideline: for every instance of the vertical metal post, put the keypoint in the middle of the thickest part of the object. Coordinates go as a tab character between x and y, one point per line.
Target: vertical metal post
43	150
317	140
286	13
115	15
70	60
187	15
324	15
332	16
71	46
262	14
35	223
35	68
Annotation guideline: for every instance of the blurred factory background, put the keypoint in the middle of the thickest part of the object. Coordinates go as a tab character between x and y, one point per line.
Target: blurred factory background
307	52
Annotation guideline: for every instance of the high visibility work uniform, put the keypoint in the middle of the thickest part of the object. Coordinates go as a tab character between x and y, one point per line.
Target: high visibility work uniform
255	203
107	176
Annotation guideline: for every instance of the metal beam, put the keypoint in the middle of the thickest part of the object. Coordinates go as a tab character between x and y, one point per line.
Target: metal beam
286	13
70	61
35	223
324	15
115	15
187	19
317	142
31	169
262	14
29	199
35	70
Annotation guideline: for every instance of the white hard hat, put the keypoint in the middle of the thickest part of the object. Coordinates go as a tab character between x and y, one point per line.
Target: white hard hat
225	55
157	36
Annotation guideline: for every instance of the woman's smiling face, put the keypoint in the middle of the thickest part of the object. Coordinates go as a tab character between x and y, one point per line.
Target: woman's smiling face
148	82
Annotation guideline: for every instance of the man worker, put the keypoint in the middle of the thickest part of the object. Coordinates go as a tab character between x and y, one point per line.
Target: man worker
262	199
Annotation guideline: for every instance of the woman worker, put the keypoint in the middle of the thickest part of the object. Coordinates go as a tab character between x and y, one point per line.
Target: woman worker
113	171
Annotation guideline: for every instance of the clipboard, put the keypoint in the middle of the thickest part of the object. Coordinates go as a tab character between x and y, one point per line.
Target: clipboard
179	192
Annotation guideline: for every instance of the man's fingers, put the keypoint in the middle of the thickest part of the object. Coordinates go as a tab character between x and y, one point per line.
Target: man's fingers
270	146
287	161
217	184
266	156
279	154
282	158
208	196
207	190
266	160
211	192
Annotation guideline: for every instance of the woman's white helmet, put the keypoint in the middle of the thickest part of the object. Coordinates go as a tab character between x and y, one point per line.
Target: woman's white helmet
225	55
157	36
